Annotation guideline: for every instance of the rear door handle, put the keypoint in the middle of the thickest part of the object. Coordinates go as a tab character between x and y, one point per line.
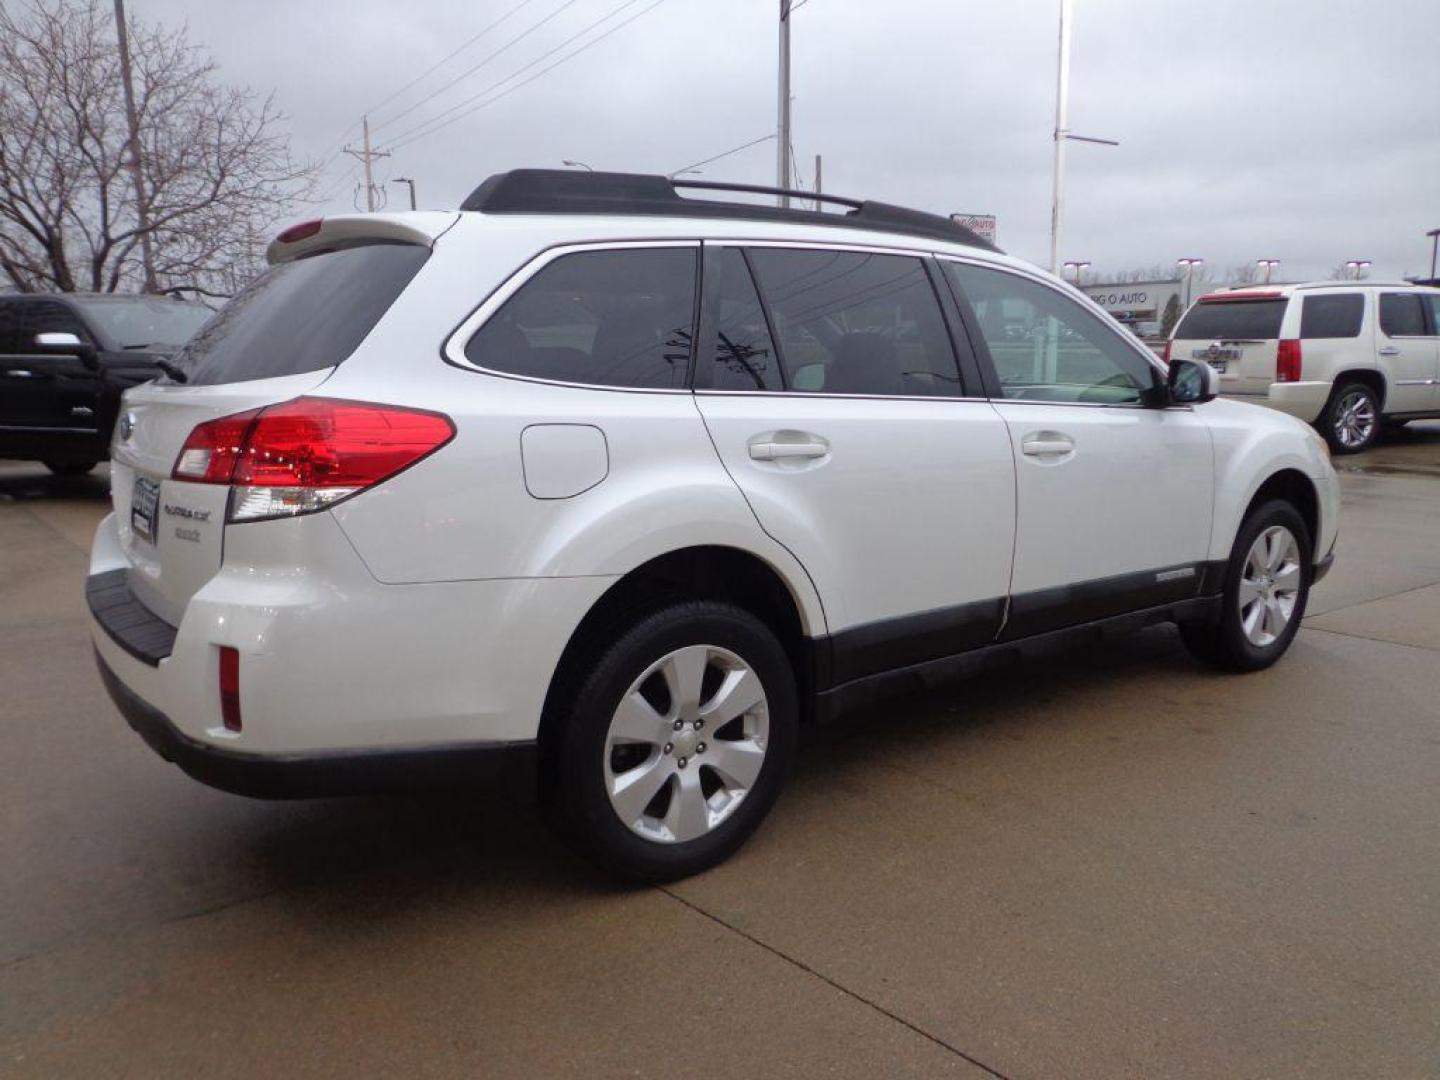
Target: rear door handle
1047	443
20	373
1390	350
783	445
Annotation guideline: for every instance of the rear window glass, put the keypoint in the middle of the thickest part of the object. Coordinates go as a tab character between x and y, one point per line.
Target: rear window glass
1232	320
607	318
301	316
1335	316
1401	315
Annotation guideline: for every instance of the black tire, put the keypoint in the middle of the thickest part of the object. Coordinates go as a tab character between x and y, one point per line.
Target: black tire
1224	643
1348	437
574	790
70	468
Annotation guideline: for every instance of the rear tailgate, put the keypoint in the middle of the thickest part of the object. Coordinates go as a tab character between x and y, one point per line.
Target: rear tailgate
279	339
1238	334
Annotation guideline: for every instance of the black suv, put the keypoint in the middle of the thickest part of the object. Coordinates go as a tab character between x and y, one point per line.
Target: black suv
65	358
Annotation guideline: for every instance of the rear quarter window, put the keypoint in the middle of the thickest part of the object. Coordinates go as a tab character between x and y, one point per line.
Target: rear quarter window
301	316
1233	320
1335	316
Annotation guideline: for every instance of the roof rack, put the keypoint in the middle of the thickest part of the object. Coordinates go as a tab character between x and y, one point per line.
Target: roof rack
564	191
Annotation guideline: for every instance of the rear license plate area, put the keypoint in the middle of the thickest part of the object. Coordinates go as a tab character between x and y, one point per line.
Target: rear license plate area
144	502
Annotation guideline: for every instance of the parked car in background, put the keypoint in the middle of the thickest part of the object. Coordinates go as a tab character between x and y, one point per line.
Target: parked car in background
65	358
625	485
1348	357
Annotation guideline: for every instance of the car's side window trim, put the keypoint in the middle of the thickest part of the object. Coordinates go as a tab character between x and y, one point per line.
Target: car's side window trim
991	373
452	351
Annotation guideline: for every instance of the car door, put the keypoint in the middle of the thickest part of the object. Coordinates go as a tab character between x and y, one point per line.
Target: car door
1431	300
43	389
1408	352
1114	497
838	408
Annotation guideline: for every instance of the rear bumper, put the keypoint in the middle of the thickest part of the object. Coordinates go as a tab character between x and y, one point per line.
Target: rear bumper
1302	400
303	776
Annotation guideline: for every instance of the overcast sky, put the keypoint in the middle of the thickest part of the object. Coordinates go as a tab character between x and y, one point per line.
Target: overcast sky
1303	130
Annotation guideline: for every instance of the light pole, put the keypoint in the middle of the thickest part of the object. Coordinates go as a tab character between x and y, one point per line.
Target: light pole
1189	265
1267	265
1062	135
782	121
1434	235
408	183
1358	266
577	165
1079	266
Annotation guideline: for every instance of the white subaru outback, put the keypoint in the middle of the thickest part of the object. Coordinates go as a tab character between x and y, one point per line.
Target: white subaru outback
621	486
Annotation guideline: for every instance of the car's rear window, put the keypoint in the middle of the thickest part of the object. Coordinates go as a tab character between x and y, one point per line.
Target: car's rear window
1233	320
301	316
1335	316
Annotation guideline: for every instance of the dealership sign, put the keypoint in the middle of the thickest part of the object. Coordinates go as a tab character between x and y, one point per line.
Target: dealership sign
1142	298
982	225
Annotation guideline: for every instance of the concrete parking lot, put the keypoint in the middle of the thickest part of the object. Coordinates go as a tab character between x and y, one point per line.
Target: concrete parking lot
1120	864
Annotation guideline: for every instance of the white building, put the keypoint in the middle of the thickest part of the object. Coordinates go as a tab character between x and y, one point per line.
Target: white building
1137	302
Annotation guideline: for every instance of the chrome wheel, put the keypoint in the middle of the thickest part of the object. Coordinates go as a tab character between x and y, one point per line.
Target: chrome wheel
1355	419
1269	585
686	743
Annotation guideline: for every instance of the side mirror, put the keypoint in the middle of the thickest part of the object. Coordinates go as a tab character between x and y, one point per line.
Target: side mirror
1192	383
59	341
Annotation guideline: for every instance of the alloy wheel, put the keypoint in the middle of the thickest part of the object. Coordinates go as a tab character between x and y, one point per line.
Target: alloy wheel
1354	419
686	743
1269	585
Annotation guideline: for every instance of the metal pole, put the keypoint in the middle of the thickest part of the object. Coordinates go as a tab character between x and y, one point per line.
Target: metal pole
1062	103
408	182
782	151
369	182
1434	250
819	189
142	204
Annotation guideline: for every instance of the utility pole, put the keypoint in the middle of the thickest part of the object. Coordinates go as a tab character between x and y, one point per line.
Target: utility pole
819	189
1062	112
1434	235
365	156
782	151
409	183
142	204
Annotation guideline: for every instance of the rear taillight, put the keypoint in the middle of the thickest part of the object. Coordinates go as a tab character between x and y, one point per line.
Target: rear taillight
1166	356
1287	361
307	454
230	688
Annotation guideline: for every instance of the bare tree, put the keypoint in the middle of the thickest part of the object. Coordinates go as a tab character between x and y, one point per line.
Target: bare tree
216	165
1240	274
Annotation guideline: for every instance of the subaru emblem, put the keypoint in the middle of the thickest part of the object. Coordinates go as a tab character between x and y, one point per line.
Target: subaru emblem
127	425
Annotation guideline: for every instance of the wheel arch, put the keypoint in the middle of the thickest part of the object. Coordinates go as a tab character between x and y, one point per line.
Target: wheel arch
1292	486
1371	377
702	572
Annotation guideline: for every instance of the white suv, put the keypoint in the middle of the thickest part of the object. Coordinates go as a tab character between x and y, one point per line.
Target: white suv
623	486
1348	357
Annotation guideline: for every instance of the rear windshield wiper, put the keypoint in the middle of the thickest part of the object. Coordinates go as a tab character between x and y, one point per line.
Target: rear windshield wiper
174	372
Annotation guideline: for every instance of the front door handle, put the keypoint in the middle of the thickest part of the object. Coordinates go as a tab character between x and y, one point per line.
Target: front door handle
1390	350
21	373
1047	444
787	445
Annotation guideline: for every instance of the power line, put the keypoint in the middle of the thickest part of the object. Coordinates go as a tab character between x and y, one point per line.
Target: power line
450	55
727	153
518	71
430	130
471	71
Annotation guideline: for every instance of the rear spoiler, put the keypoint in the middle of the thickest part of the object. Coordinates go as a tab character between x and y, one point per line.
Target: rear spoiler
355	230
1243	294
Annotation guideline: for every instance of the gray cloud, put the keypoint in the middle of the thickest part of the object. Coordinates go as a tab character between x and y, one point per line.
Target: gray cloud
1303	130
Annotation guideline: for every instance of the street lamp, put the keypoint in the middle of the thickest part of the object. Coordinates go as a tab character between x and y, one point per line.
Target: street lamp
1434	235
1267	265
411	184
1189	266
577	165
1062	135
1080	267
1358	267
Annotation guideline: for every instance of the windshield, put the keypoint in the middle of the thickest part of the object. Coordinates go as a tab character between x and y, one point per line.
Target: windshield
1232	320
135	321
301	316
